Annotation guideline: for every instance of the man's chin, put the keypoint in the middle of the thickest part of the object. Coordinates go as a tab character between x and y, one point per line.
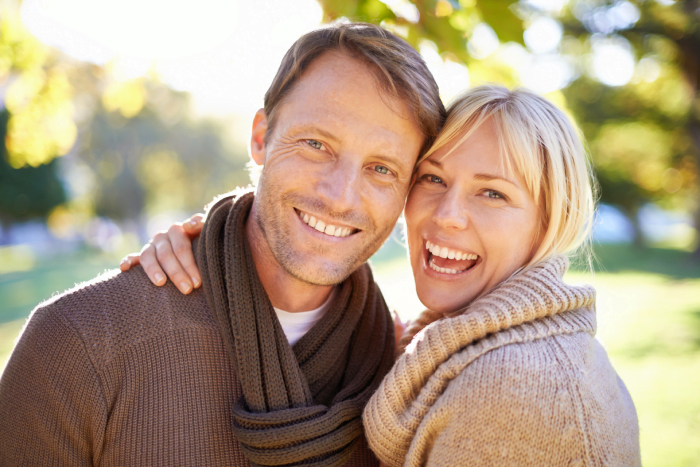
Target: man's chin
320	272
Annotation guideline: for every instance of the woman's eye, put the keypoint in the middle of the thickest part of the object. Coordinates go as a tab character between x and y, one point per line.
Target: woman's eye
314	144
381	169
432	178
494	194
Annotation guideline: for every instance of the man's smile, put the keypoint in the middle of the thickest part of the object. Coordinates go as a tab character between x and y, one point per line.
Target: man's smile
326	227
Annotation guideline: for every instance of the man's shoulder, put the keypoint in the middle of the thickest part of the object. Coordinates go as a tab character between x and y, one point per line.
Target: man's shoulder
118	309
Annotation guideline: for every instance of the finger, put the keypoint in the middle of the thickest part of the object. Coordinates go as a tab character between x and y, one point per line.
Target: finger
129	261
182	247
193	226
150	265
170	264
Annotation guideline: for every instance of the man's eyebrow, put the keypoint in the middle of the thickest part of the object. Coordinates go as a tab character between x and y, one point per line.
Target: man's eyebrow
314	129
488	177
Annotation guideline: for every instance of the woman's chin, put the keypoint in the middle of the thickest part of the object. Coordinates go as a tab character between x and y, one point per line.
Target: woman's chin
442	302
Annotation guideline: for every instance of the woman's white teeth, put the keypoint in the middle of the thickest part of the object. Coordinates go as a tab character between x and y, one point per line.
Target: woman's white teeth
442	270
330	230
444	252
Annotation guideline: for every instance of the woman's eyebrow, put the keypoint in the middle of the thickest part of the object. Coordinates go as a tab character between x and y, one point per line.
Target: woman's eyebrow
489	177
483	177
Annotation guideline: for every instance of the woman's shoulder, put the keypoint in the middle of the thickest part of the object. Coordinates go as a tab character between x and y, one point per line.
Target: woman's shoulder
560	388
513	356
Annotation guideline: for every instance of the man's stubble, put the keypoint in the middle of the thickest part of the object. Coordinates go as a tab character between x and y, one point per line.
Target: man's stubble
270	201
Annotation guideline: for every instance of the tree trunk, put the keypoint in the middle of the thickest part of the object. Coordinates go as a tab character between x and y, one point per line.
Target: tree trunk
638	241
690	61
694	131
5	231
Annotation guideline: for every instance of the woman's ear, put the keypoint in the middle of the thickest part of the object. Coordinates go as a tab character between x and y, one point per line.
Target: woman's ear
257	139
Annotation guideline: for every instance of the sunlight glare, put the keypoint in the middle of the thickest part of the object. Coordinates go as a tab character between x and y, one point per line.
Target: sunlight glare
483	42
452	77
543	35
613	63
224	53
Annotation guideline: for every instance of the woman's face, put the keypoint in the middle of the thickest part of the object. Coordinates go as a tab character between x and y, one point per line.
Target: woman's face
470	223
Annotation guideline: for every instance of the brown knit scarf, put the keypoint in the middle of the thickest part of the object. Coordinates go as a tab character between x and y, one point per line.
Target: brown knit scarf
301	405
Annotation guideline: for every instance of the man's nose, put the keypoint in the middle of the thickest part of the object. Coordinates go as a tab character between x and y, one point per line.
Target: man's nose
341	188
451	212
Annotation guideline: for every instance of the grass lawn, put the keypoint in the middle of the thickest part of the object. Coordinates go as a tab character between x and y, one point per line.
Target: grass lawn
648	320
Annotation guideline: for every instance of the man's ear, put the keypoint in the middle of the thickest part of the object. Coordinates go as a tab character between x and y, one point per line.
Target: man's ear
257	139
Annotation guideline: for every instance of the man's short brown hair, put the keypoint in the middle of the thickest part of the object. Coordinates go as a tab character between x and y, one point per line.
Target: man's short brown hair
399	69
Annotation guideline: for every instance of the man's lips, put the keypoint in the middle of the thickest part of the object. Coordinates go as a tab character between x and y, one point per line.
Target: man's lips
332	230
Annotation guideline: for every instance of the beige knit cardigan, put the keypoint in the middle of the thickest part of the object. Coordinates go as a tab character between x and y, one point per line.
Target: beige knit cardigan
518	379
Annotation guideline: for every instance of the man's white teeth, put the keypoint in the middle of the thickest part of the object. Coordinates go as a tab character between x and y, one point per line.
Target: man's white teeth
330	230
442	270
444	252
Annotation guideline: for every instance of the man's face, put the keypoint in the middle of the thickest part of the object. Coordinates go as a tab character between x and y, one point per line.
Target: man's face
338	164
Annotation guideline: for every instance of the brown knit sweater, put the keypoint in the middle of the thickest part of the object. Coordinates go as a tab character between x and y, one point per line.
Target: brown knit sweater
118	372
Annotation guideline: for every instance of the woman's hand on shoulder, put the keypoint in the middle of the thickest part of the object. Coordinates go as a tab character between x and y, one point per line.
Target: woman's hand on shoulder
170	253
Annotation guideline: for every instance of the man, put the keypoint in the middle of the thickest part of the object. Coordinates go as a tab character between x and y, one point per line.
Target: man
118	372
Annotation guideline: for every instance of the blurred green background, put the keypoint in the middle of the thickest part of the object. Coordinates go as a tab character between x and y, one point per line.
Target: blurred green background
118	118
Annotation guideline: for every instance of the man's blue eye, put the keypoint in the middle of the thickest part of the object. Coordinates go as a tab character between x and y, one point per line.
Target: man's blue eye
435	179
314	144
381	169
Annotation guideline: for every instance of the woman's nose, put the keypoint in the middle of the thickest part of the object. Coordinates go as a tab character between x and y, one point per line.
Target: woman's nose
451	213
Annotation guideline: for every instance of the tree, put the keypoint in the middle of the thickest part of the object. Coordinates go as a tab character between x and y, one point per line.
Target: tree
27	192
35	126
145	154
644	136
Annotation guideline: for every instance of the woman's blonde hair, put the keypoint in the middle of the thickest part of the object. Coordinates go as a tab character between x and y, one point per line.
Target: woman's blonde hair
540	143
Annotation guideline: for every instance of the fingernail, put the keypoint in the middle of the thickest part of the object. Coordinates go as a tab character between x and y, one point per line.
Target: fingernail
193	222
159	277
195	281
124	261
185	287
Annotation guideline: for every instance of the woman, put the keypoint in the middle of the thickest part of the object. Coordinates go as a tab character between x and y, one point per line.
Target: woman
503	368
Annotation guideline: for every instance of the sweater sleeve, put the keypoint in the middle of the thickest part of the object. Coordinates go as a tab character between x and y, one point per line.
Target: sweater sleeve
52	410
508	407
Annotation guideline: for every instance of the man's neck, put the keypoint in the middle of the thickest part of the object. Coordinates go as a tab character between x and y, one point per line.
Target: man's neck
285	291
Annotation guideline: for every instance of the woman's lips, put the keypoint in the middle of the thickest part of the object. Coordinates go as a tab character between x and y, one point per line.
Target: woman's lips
450	261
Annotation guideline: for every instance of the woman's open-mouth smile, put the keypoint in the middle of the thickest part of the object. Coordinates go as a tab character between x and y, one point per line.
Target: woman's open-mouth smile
447	263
